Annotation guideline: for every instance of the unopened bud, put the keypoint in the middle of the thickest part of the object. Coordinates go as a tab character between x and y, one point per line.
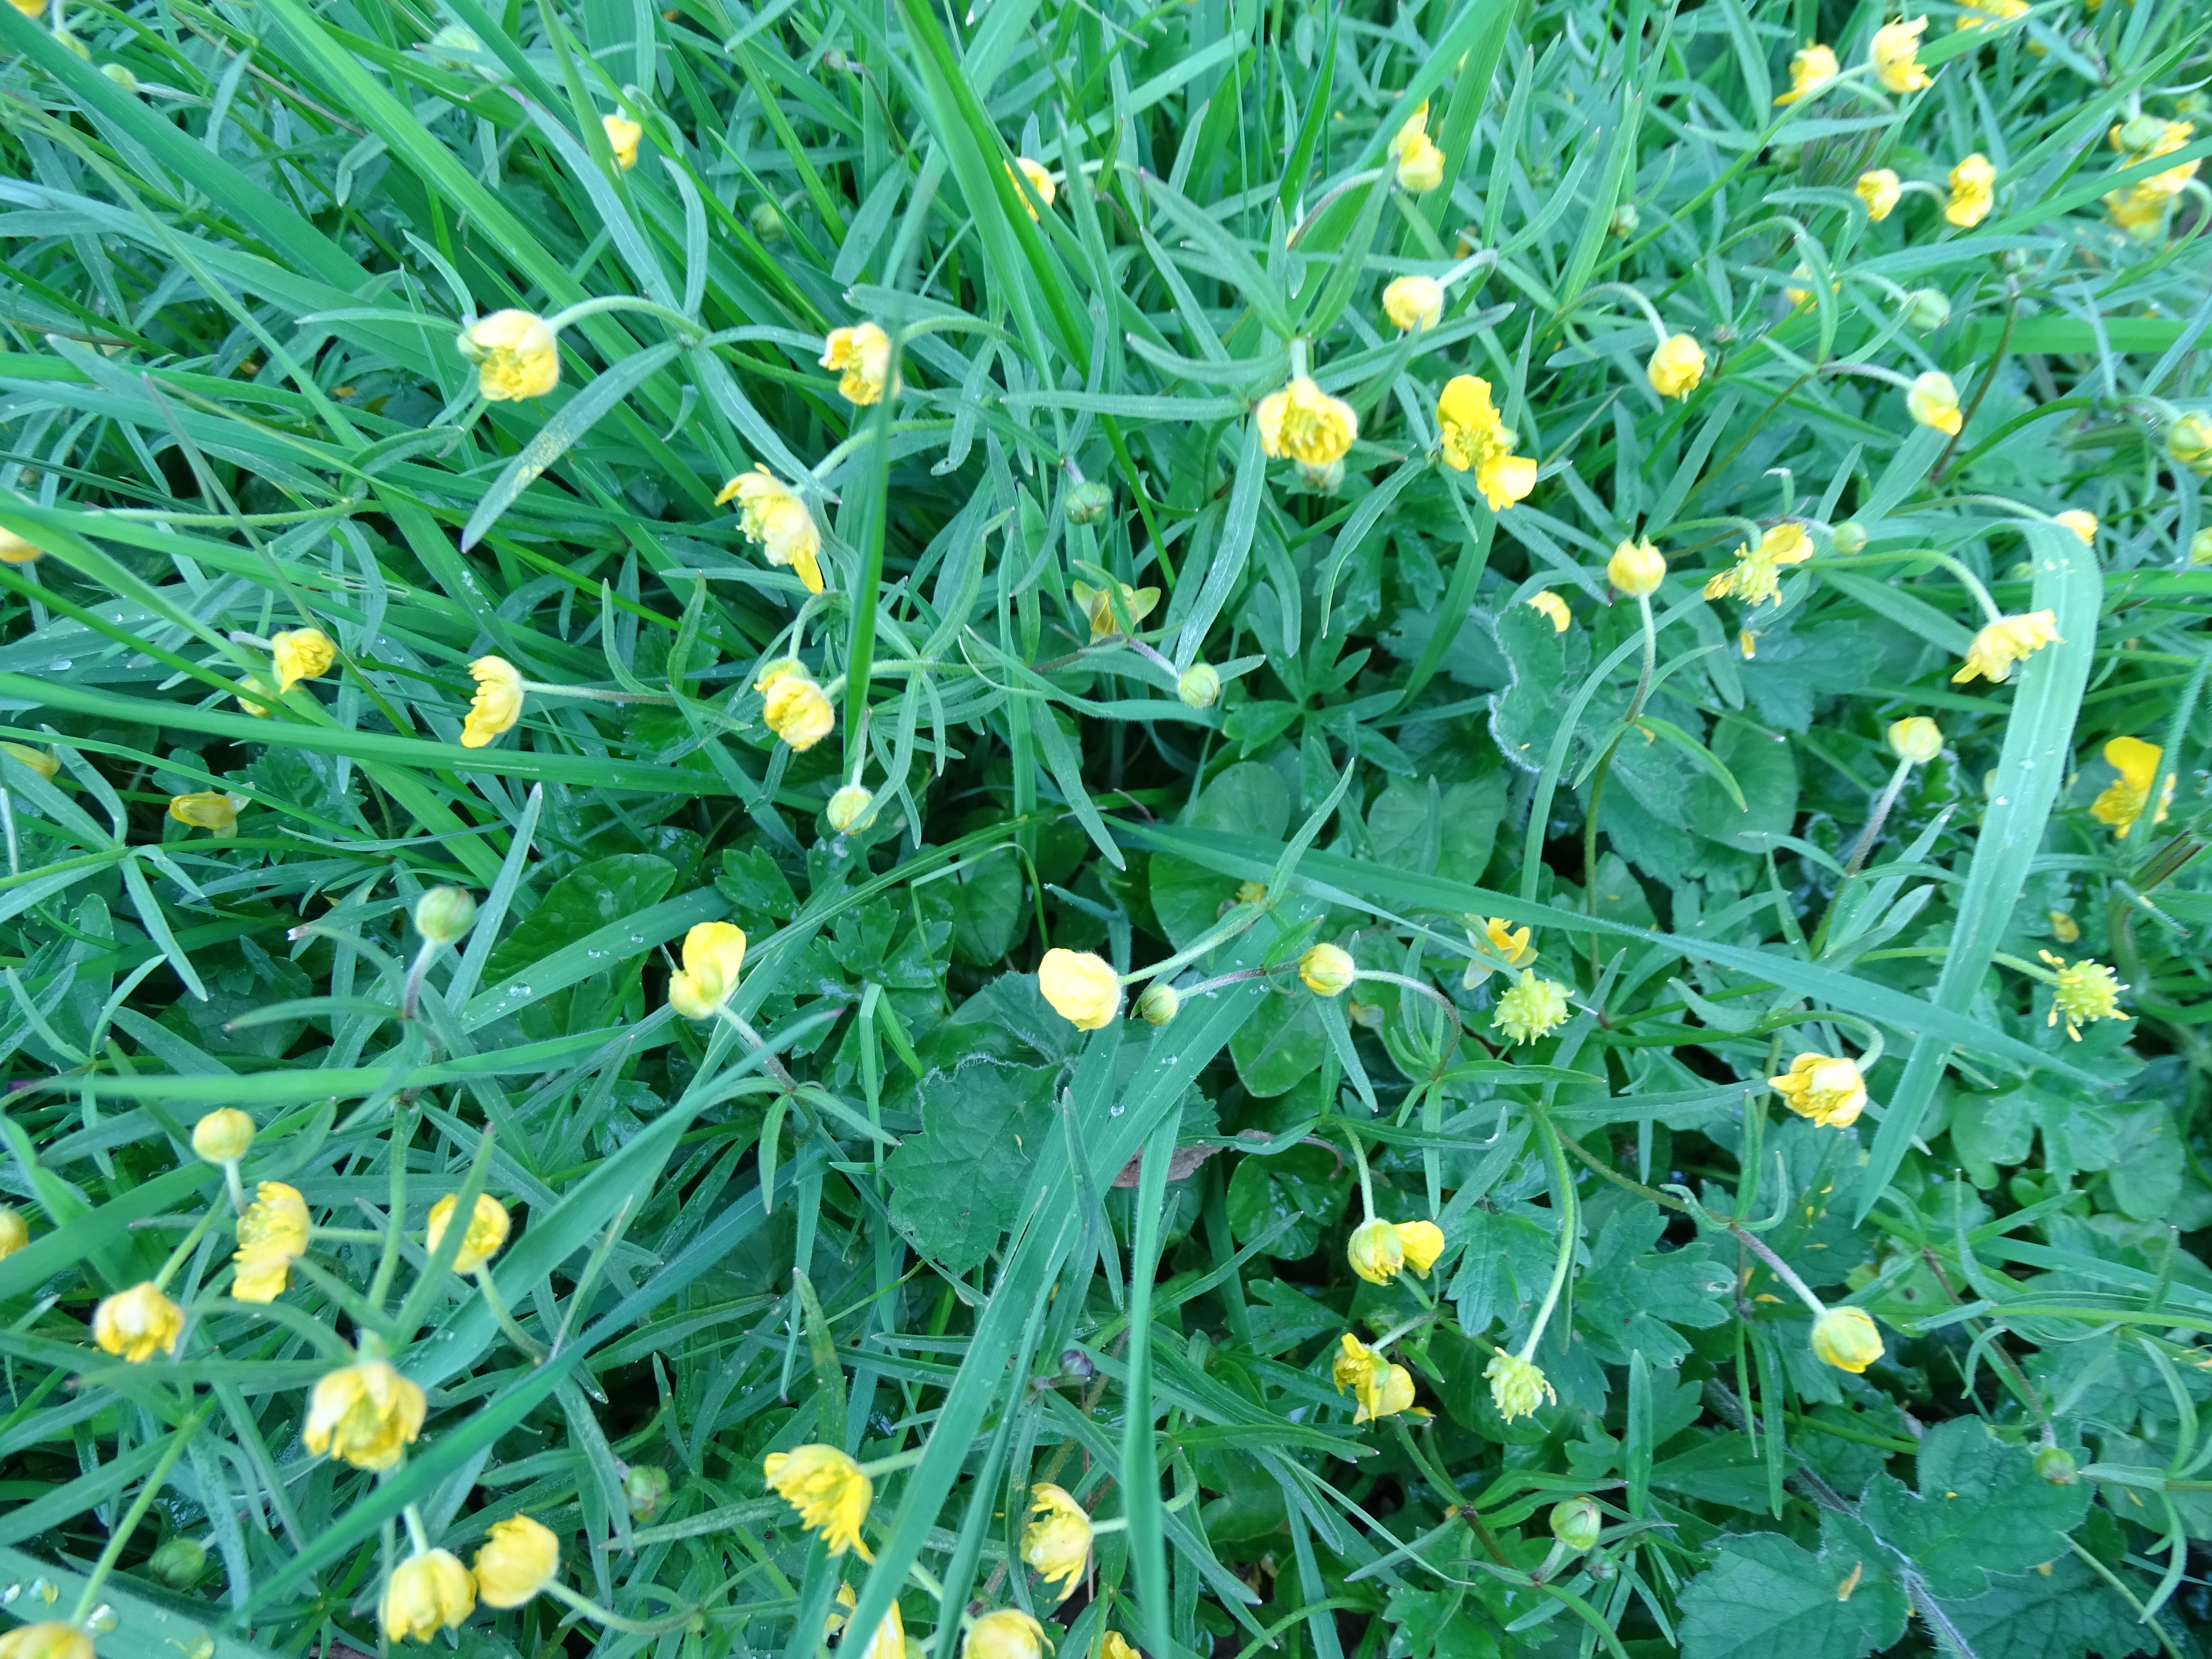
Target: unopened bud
1916	738
645	1489
1926	310
1786	157
2012	260
69	42
1160	1003
848	806
2056	1464
179	1563
122	76
1199	685
1849	538
2189	441
1088	501
768	224
1074	1362
1577	1524
444	914
1321	480
223	1136
1623	220
1327	969
2200	548
2141	133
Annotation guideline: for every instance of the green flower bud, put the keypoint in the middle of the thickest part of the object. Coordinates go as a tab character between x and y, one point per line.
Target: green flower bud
1786	157
2141	133
121	77
1321	480
848	807
69	42
1160	1003
1623	220
2200	548
1849	538
1926	311
768	224
2189	441
444	914
645	1489
2056	1464
1088	501
1198	686
179	1563
1577	1524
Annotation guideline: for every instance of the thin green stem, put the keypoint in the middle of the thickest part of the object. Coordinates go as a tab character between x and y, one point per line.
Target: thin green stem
1569	1219
505	1320
1783	1270
667	1624
116	1540
186	1246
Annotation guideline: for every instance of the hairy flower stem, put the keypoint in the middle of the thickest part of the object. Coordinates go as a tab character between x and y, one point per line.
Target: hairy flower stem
1866	844
1564	1182
1783	1270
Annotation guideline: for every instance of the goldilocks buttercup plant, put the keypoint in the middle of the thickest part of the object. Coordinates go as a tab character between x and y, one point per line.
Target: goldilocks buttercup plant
1098	831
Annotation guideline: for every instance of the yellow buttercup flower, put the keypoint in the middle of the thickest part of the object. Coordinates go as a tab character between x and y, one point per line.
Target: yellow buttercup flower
1895	55
497	704
213	811
131	1324
1473	436
714	953
1381	1389
2000	13
1419	165
1497	944
2125	797
2141	208
1755	577
1414	302
1882	191
365	1415
301	654
1676	367
1099	610
1327	969
1380	1251
37	759
622	138
1933	401
1530	1008
829	1490
2087	991
1972	191
862	354
428	1593
1057	1543
1117	1647
890	1640
1846	1338
1517	1386
49	1639
2083	525
772	516
223	1136
1083	989
1009	1633
517	355
487	1230
14	1231
1826	1088
1553	610
1040	181
272	1235
1305	423
517	1561
254	706
1636	568
1810	70
1416	126
2005	641
795	708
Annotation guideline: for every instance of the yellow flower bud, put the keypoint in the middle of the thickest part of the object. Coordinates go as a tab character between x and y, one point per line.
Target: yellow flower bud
1414	302
1517	1386
1199	685
223	1136
517	1561
2063	928
2189	441
49	1639
1916	738
622	138
14	550
1882	191
1826	1088
1305	423
1006	1634
1117	1647
517	355
1420	166
487	1230
1933	401
1974	183
272	1235
862	354
1895	55
14	1231
797	709
497	704
2083	525
301	654
1039	180
829	1490
1810	70
2005	641
1327	969
1083	989
1676	367
714	953
365	1414
1057	1542
131	1324
428	1593
1375	1253
848	806
1637	568
37	759
1846	1338
772	517
214	810
1552	609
